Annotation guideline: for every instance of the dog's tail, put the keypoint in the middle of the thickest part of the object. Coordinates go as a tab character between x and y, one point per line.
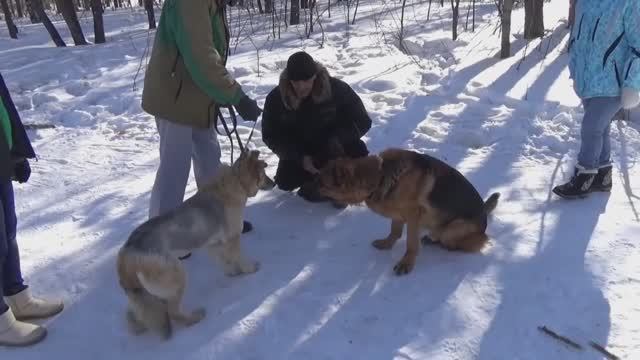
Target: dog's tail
491	203
150	281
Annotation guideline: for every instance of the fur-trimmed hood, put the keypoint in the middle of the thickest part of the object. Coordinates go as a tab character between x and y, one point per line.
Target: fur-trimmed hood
320	93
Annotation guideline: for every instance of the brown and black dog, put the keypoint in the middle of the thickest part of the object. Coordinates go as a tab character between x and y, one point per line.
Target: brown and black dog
414	189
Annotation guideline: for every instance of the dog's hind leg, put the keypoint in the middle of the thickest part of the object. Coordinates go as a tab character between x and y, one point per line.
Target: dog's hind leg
396	233
135	325
463	236
173	302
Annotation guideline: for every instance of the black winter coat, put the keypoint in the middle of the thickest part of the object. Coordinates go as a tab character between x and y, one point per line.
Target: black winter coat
292	128
22	148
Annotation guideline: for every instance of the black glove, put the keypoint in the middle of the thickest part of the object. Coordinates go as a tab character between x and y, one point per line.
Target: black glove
248	108
22	171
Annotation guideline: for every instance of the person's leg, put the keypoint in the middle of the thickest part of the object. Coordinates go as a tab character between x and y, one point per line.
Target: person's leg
12	331
12	281
594	133
206	155
594	146
290	175
173	171
206	160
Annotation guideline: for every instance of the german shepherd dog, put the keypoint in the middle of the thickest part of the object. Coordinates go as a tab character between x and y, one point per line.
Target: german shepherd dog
150	274
413	189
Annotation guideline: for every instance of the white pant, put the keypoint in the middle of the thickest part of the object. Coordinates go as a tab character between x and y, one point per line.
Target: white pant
179	144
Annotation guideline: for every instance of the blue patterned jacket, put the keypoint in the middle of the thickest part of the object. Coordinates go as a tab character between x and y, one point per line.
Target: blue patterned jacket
604	47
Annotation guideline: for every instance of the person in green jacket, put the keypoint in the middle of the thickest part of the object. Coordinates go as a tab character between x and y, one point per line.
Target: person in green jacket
185	84
17	304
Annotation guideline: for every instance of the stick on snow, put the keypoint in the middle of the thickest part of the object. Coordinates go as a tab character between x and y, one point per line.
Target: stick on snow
604	351
565	340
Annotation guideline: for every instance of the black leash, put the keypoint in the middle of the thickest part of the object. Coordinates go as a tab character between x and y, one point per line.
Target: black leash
234	130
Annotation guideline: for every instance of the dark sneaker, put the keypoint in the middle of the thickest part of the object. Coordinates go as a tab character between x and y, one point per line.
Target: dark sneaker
578	187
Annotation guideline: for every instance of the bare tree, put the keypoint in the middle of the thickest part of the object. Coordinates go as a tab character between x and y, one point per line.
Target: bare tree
13	30
151	16
38	10
533	19
31	10
19	11
401	35
295	12
98	23
455	7
71	18
506	7
268	6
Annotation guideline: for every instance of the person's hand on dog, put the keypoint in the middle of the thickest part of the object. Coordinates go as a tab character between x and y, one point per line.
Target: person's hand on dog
22	171
307	164
248	108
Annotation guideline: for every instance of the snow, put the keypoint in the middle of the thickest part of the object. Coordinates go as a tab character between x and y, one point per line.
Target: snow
323	292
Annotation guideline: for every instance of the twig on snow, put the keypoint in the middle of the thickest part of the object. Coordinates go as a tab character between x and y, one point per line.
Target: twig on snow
603	351
565	340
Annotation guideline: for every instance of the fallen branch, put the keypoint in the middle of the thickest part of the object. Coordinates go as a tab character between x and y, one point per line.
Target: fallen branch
39	126
565	340
603	351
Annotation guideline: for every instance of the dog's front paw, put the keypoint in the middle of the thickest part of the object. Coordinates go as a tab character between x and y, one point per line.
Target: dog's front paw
250	267
382	244
404	266
196	316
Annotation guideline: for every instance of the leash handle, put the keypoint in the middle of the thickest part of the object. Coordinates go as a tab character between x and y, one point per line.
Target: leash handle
234	122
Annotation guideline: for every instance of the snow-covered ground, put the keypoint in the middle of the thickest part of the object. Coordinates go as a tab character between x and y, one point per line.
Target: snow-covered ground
323	292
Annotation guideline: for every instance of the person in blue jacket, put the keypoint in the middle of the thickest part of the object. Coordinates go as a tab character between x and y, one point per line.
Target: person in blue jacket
604	63
17	303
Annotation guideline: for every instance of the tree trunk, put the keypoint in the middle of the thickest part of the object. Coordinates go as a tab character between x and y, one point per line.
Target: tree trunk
98	23
151	16
295	12
38	9
31	9
505	48
533	19
304	4
268	6
71	18
19	8
455	7
13	30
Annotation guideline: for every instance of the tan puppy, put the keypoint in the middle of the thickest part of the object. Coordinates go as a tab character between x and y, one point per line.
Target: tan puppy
153	278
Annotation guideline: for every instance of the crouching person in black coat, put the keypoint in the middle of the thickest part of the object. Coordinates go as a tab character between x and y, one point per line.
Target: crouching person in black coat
309	119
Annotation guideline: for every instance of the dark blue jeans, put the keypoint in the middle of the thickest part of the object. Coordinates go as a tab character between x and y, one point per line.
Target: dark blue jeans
11	281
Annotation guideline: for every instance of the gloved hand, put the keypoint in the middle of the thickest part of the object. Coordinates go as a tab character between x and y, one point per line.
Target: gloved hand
248	108
630	98
22	171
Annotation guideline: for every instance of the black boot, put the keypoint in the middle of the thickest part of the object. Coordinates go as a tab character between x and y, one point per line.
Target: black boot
309	192
603	180
246	227
578	187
